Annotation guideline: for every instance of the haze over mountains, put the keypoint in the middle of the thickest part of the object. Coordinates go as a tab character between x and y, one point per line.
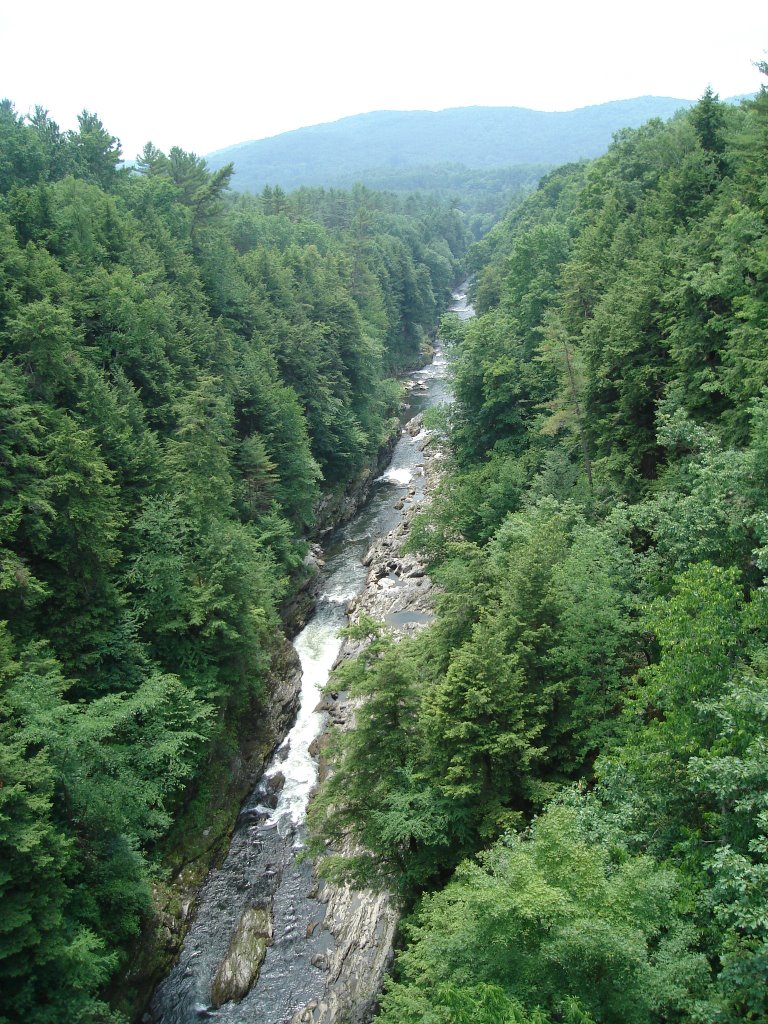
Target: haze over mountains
385	147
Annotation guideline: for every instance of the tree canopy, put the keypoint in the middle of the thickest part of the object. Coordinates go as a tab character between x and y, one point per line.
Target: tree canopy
182	375
575	814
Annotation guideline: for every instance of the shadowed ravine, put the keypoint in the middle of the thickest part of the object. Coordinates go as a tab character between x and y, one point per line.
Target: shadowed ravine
261	877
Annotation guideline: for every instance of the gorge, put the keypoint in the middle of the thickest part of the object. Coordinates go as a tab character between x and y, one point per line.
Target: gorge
261	931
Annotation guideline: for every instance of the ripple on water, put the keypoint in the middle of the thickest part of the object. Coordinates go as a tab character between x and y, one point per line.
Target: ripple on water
400	477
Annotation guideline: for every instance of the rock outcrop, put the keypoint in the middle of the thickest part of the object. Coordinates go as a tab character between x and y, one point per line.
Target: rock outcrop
240	968
340	505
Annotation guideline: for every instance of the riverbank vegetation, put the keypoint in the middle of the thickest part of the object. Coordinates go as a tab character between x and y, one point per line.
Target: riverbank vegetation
565	776
182	376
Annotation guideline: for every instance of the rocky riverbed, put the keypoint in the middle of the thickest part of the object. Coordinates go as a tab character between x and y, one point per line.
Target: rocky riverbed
362	923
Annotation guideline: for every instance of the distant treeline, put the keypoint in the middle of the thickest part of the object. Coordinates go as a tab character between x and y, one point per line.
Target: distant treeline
182	374
566	776
394	141
482	196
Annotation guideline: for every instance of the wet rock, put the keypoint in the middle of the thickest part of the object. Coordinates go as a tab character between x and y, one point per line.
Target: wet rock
250	816
306	1016
362	924
283	752
327	702
268	791
274	783
339	506
242	963
415	425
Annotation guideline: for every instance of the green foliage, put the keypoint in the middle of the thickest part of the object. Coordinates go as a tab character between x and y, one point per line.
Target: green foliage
84	786
600	543
553	921
375	802
180	374
448	1003
456	151
512	691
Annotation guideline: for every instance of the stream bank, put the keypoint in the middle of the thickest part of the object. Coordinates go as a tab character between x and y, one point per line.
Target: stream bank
268	943
363	923
310	943
195	848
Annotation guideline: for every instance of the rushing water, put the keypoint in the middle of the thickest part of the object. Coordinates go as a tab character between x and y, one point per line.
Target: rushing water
261	867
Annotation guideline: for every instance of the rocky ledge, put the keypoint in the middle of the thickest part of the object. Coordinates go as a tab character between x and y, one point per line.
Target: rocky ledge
398	592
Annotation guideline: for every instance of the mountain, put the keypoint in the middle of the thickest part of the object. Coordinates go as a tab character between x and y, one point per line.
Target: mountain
362	147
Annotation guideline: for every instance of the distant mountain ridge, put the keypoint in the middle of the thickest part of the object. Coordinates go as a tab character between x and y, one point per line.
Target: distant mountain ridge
361	146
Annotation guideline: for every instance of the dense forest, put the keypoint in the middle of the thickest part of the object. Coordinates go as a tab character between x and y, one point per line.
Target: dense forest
480	160
566	776
481	196
184	375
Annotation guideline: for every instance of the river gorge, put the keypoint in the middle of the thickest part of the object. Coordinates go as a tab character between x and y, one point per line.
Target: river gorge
270	944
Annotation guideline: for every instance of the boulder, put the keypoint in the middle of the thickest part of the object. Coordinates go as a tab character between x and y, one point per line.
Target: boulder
241	965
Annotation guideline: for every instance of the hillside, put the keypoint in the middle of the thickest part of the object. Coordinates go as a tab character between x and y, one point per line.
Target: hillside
359	147
580	734
187	383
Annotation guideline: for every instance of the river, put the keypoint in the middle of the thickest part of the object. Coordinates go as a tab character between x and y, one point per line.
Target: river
261	869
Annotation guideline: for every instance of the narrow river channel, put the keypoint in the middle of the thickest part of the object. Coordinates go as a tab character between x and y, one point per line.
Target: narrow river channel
261	868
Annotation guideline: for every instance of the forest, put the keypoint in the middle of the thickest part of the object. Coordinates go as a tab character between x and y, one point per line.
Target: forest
565	778
184	376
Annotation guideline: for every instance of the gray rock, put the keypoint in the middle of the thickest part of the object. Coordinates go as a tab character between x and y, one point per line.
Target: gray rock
274	783
362	924
241	965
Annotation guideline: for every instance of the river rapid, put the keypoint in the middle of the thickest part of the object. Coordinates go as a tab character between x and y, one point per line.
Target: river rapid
262	894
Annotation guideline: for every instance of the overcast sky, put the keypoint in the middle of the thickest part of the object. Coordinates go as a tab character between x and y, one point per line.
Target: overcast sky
207	76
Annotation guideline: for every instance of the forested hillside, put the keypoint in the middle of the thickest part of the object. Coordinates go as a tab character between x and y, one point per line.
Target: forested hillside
571	790
399	141
480	159
182	376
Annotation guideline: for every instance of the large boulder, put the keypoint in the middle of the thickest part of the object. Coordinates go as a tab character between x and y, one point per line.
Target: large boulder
241	965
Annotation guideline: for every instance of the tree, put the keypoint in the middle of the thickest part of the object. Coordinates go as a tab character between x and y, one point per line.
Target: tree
95	153
386	823
555	922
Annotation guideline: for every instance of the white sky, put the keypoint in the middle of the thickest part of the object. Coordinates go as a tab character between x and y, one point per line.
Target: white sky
207	76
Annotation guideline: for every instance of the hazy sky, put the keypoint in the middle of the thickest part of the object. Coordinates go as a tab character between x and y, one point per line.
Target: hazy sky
206	76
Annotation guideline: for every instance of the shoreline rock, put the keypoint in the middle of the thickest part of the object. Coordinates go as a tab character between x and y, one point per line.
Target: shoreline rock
363	923
245	955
